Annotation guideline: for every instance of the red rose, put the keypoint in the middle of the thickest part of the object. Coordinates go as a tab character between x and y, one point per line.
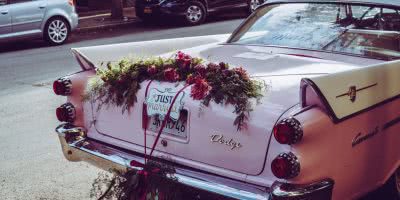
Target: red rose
199	89
212	67
155	170
242	73
227	72
152	70
120	81
171	75
190	79
179	55
223	65
184	61
200	70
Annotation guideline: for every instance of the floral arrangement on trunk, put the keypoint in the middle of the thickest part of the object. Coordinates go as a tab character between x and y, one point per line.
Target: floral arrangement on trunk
118	84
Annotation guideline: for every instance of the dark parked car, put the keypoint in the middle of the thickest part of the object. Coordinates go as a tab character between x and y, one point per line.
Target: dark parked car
193	12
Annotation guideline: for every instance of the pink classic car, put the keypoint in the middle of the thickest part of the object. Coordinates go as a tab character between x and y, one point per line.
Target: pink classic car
327	125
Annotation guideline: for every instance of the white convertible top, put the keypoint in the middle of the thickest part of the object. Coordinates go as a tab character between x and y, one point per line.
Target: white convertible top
370	2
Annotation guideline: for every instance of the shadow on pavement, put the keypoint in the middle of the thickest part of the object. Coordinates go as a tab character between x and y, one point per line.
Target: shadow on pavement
135	27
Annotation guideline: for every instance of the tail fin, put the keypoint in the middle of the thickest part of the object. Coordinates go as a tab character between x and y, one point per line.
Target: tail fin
345	94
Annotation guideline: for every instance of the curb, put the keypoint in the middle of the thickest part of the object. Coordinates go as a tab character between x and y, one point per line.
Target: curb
95	16
107	26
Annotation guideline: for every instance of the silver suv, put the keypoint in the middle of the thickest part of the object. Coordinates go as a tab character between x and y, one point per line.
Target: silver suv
52	20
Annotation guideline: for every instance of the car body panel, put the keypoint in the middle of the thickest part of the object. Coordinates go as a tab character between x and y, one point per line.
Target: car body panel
284	79
28	16
5	19
218	4
178	8
357	168
253	141
90	57
278	71
372	86
63	10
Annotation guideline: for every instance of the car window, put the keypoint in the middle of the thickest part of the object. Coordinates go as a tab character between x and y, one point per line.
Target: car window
3	2
371	13
367	31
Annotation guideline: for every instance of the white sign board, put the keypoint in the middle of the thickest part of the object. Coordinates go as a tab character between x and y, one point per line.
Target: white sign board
159	100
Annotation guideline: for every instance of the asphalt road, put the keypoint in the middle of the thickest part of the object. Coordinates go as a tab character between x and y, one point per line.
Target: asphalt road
31	162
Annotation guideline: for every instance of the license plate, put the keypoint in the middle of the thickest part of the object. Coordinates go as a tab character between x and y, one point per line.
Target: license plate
147	10
176	128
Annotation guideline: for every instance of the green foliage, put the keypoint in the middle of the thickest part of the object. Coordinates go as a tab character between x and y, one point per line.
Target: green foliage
118	83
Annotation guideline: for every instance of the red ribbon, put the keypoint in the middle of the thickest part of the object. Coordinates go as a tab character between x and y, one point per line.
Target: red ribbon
166	119
145	120
144	173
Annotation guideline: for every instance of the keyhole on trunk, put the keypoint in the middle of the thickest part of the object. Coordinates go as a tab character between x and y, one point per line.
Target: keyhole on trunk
164	143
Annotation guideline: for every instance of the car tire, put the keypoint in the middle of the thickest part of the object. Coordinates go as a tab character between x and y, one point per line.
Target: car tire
390	190
195	13
253	5
392	187
56	31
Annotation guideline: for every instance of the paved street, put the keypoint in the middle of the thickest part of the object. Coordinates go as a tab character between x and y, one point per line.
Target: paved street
31	162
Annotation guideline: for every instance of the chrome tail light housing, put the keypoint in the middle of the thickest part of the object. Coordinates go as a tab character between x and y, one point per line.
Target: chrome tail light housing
66	113
288	131
285	166
62	86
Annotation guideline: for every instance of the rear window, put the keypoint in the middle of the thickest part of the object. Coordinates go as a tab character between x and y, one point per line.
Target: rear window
361	30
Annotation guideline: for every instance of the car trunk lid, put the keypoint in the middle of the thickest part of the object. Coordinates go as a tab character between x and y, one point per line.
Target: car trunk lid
208	135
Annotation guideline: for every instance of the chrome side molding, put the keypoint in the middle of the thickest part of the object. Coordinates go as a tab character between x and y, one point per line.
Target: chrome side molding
314	191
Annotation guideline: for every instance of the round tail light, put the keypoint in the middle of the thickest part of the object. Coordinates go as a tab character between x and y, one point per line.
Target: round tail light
288	131
62	86
285	166
66	113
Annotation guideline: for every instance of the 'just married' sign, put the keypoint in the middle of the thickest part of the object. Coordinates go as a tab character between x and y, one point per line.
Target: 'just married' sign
159	100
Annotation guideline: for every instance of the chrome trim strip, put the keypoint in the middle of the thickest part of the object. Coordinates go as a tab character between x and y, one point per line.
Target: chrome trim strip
318	190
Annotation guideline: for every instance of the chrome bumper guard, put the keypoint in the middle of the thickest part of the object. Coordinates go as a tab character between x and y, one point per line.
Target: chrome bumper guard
76	147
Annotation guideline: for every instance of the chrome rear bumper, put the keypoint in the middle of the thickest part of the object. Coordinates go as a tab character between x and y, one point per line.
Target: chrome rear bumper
76	147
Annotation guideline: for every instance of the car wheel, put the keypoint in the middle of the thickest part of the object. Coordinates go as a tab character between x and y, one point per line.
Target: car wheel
57	31
397	182
253	5
195	13
390	190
